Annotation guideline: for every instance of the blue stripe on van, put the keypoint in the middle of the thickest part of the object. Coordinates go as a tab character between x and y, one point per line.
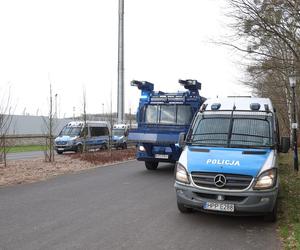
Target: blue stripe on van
226	160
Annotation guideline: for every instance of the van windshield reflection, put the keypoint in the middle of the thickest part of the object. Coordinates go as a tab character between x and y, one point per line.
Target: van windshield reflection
231	131
70	131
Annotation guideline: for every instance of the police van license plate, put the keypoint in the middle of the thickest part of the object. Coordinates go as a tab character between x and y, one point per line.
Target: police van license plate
216	206
160	156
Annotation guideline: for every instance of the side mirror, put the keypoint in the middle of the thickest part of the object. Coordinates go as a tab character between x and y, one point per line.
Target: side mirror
181	140
285	144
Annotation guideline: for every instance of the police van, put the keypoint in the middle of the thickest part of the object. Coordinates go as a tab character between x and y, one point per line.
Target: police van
229	159
120	135
94	134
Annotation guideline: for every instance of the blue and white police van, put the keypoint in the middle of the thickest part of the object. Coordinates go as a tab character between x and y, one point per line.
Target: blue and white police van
95	135
120	135
229	159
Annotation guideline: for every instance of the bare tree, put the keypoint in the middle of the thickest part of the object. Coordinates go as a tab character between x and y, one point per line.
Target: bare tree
269	34
6	111
49	123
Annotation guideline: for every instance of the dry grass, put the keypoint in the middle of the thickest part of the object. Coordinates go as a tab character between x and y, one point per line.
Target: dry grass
32	170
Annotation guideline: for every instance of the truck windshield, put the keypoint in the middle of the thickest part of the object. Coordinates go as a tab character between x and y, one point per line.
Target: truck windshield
118	132
232	131
168	114
70	131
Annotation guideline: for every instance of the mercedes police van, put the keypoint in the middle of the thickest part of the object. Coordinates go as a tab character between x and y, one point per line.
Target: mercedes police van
120	135
95	135
229	159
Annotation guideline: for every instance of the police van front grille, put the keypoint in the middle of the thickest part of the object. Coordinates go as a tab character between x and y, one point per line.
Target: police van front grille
61	143
233	181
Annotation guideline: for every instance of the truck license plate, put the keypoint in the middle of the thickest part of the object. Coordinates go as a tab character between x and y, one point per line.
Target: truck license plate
225	207
159	156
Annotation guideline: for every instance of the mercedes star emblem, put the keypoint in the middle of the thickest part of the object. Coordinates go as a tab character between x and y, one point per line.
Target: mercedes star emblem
220	180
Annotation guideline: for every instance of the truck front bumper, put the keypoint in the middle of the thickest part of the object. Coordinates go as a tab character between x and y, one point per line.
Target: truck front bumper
245	203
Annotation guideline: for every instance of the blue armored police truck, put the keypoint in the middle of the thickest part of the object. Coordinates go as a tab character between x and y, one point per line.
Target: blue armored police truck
161	117
229	159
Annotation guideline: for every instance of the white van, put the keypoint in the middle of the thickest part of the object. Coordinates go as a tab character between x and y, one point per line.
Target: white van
71	138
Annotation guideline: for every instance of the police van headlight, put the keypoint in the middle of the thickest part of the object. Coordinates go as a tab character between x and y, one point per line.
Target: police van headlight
181	174
266	180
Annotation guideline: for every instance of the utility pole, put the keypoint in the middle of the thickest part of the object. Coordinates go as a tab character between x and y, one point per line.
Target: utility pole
293	81
121	63
55	106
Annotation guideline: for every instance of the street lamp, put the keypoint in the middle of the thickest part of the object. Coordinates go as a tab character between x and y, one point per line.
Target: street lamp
293	82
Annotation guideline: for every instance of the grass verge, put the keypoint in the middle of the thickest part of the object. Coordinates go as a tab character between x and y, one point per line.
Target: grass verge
26	148
289	203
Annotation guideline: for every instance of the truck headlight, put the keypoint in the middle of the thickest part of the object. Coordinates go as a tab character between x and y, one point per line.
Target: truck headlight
181	174
141	148
266	180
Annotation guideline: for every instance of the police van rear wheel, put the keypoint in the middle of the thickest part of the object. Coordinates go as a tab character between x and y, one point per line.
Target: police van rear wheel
151	165
183	209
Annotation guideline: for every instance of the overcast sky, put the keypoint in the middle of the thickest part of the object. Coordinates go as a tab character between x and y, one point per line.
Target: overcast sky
73	44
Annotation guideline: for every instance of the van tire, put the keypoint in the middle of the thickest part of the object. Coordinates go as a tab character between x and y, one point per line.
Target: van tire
272	216
79	148
59	152
151	165
183	209
125	145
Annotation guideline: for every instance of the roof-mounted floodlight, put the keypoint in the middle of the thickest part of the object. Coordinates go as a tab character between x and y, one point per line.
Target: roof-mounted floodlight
142	85
215	106
255	106
190	84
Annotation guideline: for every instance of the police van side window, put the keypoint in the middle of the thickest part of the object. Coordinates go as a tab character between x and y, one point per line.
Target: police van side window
99	131
84	132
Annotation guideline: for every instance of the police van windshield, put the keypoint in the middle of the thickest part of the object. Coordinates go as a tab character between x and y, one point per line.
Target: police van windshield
118	132
70	131
168	114
232	131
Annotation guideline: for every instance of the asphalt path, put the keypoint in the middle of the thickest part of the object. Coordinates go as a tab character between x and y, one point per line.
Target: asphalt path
25	155
118	207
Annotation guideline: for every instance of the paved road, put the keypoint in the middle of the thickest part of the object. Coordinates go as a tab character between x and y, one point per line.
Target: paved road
118	207
25	155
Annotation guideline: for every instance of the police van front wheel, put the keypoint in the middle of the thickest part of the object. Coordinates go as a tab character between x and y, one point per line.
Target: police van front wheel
79	148
272	216
151	165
